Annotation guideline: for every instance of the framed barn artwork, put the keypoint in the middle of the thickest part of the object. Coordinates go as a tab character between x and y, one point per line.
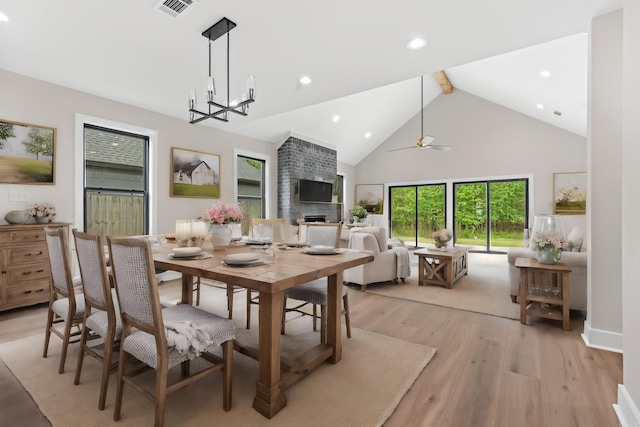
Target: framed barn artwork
195	174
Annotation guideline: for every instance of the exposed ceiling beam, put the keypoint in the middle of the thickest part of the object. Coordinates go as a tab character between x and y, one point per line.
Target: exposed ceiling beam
443	81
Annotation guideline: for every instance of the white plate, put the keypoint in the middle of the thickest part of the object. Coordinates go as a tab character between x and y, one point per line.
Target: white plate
186	252
241	258
320	250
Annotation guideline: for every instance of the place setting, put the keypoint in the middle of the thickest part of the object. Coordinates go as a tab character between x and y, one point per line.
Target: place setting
188	253
321	250
245	259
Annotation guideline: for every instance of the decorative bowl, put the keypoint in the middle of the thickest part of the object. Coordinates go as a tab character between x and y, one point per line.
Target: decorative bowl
17	217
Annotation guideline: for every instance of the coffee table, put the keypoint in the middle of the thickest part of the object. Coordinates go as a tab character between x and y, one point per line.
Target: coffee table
442	266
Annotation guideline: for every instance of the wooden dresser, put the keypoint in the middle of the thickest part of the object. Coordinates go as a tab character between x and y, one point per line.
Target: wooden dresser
24	266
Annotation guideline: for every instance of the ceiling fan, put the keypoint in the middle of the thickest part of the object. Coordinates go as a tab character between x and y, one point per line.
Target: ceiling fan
425	141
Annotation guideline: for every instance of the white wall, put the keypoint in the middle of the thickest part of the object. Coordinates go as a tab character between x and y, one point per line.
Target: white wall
603	327
487	140
36	102
629	393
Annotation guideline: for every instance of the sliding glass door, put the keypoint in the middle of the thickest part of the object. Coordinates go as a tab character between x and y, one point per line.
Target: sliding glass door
416	212
491	215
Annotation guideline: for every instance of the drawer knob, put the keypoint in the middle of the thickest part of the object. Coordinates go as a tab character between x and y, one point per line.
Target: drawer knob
27	292
26	273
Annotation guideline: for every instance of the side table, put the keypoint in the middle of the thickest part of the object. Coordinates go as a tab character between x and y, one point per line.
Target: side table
550	300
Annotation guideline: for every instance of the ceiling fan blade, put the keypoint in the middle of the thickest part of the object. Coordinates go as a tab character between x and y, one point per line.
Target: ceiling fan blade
403	148
438	147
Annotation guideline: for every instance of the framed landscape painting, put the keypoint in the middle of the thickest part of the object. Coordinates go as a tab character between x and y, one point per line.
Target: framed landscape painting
194	174
370	197
26	153
570	193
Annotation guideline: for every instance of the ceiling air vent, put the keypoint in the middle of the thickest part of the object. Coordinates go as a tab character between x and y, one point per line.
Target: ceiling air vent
174	7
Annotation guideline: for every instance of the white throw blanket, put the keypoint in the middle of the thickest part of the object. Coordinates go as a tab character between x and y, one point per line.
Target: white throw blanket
402	261
187	338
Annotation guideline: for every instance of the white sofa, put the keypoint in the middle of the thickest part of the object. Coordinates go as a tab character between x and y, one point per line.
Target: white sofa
576	259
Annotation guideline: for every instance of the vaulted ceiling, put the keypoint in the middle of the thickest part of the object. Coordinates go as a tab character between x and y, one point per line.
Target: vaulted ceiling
354	53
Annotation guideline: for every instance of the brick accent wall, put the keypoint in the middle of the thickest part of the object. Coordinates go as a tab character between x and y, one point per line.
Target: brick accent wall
299	159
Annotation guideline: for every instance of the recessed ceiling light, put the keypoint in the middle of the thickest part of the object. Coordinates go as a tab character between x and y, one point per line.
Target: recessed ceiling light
367	135
539	106
417	43
3	17
335	118
545	73
305	80
114	144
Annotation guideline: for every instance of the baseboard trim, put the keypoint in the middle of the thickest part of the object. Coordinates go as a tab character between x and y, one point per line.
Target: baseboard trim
626	409
603	340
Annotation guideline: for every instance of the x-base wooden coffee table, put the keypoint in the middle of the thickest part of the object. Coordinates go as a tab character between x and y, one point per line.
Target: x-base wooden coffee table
442	266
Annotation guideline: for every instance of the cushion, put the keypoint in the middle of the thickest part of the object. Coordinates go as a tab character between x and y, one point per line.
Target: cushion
576	236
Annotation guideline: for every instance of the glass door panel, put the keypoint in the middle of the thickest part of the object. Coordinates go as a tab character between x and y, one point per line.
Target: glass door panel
470	213
508	207
403	214
431	212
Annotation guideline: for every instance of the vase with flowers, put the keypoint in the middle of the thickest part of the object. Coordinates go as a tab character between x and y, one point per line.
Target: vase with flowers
441	237
42	212
220	217
548	246
358	213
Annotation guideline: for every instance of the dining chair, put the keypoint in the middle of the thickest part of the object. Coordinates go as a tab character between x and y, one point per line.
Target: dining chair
316	291
276	229
66	304
101	316
163	338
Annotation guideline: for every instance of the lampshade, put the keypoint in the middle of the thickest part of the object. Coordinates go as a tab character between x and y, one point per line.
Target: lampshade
545	224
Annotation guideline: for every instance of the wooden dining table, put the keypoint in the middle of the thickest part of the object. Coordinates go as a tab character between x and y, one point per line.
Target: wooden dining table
281	271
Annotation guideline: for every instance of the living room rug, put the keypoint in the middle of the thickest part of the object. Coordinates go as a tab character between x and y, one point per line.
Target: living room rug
362	390
485	288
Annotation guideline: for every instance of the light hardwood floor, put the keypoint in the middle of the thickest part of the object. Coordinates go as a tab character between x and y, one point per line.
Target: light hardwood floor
487	371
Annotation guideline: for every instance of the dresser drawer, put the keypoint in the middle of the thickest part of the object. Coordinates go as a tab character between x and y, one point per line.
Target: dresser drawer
5	238
28	293
28	254
27	236
17	274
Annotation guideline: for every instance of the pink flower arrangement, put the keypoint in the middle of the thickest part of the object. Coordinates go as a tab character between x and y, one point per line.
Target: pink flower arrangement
223	213
441	236
542	240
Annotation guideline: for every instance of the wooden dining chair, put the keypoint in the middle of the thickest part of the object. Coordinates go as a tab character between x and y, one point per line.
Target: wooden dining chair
163	338
276	229
66	306
101	315
316	291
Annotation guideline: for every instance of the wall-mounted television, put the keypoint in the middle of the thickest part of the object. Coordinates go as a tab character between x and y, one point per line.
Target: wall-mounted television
314	191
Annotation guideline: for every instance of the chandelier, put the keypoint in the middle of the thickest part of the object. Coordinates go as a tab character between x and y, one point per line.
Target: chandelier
220	110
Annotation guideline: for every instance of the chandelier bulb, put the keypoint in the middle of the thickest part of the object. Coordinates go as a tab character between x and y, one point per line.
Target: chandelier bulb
193	102
251	86
211	89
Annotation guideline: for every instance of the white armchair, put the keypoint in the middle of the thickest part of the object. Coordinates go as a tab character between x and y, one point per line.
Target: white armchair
387	265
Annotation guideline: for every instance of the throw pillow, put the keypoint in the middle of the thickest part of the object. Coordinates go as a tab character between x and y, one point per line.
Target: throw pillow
576	236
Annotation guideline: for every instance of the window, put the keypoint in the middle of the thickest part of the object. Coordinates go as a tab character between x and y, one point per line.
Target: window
116	184
251	189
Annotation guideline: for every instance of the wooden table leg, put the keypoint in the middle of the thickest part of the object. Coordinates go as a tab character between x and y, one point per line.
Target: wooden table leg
448	272
187	289
334	313
524	274
564	286
270	398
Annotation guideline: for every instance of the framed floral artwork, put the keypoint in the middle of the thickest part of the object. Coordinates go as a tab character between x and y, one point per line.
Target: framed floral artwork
27	153
570	193
194	174
370	197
